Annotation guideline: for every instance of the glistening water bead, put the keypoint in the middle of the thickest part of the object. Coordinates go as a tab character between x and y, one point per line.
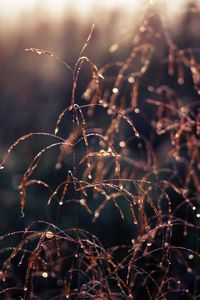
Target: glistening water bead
49	234
131	79
115	90
44	274
137	110
122	144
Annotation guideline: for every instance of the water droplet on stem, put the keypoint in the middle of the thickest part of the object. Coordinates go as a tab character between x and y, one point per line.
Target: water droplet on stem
22	214
1	166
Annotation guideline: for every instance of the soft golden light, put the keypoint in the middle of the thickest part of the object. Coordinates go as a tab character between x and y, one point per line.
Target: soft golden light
13	8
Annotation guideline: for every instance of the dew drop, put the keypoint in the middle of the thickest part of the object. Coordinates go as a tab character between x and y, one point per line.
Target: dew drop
177	136
137	110
105	138
181	80
121	187
115	90
25	288
22	214
45	274
142	29
137	134
49	234
60	202
89	176
83	201
184	110
191	256
198	215
122	144
113	48
1	166
96	214
149	244
131	79
2	277
58	166
189	270
110	111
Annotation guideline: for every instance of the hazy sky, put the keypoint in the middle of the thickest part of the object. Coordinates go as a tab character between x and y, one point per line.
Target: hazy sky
13	8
